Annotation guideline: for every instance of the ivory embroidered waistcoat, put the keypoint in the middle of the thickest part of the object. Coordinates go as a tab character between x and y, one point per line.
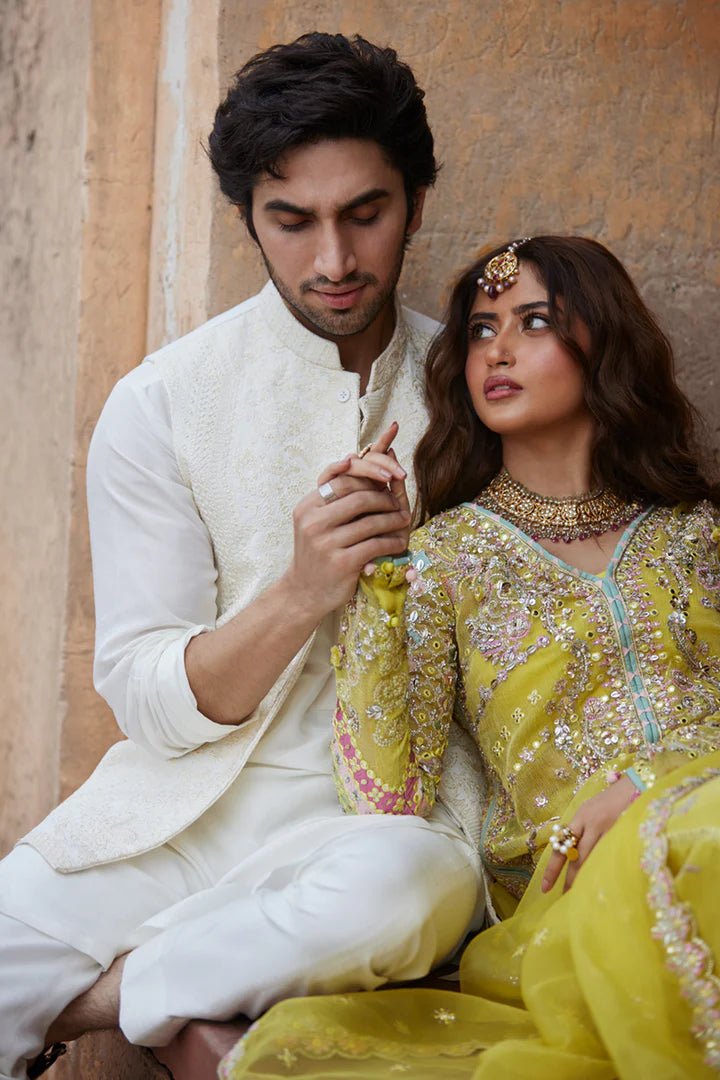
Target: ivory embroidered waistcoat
259	407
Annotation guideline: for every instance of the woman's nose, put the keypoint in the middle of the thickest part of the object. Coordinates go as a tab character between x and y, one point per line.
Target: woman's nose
499	352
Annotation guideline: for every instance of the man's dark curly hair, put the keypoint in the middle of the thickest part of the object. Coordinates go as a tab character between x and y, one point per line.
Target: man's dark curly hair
322	86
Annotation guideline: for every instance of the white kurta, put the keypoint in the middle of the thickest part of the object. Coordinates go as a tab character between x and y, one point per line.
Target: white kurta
195	467
272	879
168	575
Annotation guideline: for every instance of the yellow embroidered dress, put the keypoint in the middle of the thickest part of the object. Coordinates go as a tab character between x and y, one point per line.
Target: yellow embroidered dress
559	676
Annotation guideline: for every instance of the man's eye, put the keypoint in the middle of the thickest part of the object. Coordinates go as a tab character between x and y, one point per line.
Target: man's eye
365	220
293	226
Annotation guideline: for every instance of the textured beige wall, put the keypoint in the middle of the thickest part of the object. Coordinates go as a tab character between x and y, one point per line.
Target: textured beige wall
187	94
112	326
549	115
43	61
565	115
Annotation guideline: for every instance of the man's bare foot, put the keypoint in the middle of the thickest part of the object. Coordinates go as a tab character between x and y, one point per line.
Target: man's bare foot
94	1010
44	1061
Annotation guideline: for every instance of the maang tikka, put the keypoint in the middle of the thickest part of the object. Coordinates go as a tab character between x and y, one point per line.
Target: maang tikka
501	272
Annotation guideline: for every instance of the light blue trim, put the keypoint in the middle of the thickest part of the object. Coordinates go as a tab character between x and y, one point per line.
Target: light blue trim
618	610
617	554
620	617
636	779
420	561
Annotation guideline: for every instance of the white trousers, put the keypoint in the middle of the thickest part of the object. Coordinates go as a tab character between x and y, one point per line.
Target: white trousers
337	904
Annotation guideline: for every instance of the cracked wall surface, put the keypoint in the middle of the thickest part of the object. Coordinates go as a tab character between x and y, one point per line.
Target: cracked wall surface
43	50
549	115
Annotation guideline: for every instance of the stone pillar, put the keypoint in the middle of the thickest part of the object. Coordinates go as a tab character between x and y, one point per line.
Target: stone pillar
112	325
183	192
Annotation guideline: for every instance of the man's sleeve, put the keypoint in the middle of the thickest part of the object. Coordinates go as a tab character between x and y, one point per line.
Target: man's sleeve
153	571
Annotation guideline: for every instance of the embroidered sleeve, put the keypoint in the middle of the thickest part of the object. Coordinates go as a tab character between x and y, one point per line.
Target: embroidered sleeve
396	672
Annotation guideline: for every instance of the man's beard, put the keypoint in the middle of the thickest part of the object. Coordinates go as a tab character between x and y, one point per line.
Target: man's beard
332	323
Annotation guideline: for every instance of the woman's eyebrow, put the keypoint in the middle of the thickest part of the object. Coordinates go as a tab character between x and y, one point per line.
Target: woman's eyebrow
485	316
522	308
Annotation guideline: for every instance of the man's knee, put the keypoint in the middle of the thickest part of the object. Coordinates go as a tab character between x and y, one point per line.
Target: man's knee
393	890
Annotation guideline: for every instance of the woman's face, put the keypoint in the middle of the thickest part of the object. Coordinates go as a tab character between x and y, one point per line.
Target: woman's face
521	378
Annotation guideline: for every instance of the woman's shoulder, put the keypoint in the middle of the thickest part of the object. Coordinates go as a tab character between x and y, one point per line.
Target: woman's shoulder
683	513
687	522
441	538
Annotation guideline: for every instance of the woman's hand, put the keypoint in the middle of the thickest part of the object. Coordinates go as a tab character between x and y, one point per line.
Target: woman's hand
379	465
364	517
591	821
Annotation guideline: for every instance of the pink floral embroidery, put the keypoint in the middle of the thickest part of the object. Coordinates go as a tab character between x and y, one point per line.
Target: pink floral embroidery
366	792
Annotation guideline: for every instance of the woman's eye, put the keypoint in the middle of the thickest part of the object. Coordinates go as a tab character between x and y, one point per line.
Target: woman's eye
536	321
480	331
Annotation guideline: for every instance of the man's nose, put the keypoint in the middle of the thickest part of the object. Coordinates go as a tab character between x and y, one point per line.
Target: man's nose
335	258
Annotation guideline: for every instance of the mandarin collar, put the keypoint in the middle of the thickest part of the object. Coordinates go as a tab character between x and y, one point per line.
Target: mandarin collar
308	346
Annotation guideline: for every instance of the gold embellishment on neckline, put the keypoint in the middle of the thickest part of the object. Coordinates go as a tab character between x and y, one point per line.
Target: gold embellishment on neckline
576	517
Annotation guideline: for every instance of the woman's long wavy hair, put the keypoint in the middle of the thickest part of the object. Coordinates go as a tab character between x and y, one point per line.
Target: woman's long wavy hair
645	444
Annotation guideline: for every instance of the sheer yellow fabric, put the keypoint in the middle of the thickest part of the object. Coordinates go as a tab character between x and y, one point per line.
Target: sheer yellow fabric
558	676
612	979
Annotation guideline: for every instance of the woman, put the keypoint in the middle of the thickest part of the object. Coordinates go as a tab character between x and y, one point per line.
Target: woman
564	606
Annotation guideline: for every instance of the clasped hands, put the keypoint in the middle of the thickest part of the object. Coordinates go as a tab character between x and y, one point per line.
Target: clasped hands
368	518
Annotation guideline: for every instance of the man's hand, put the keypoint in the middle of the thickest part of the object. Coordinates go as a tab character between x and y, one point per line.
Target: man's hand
368	519
231	668
591	821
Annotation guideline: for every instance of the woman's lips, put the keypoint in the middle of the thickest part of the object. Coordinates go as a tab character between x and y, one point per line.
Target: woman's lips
495	389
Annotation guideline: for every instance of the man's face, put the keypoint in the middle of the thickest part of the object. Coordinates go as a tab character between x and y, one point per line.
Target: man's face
332	233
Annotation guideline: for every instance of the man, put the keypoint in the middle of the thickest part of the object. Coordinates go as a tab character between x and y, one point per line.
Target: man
208	850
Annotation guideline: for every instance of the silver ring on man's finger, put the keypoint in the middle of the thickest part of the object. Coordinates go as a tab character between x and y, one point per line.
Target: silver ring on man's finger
327	493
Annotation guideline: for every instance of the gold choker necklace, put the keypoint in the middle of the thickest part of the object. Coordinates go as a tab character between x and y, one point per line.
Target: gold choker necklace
576	517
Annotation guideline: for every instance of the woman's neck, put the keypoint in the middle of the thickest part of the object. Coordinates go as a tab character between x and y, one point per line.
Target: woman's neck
549	464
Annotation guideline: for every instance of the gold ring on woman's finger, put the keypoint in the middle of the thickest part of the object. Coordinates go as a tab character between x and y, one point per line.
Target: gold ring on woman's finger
564	841
365	450
327	493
